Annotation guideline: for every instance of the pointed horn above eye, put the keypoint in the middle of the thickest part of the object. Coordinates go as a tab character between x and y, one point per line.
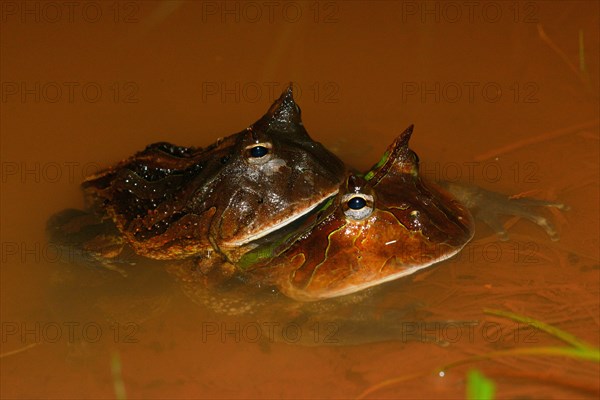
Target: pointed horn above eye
285	110
403	139
398	158
284	115
402	158
355	183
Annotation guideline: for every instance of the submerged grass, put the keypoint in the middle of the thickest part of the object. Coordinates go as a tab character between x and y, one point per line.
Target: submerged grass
19	350
580	71
591	353
117	376
479	386
582	67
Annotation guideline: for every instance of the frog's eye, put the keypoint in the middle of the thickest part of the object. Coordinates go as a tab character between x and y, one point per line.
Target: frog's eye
258	153
357	206
357	203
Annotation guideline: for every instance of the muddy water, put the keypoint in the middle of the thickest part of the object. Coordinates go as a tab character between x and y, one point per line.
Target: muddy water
504	94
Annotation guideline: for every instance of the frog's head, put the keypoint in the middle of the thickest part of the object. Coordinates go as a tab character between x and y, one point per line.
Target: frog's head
387	224
276	174
176	202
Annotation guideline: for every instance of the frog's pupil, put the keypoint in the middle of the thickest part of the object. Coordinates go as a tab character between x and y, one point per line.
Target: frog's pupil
356	203
258	151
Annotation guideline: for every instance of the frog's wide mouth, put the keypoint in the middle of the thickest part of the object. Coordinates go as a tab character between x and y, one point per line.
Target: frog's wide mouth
343	288
322	201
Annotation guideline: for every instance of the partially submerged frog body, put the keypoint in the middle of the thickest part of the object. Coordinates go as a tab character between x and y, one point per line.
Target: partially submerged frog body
214	204
381	226
487	206
273	208
86	238
386	224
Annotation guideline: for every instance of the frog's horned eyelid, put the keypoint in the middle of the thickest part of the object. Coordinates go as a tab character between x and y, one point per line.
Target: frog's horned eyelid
396	154
399	147
268	145
289	90
355	183
405	136
285	110
282	117
255	137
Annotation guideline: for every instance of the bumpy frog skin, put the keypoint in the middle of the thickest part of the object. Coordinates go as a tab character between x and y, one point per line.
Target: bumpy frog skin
385	225
276	208
171	202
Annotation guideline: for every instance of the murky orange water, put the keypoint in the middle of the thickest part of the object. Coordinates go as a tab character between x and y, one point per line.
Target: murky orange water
502	93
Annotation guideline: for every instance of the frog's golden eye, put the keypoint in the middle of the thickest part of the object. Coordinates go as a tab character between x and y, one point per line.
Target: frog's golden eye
357	206
258	153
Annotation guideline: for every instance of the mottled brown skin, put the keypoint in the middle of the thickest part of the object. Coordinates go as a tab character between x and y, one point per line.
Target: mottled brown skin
197	208
170	202
401	226
221	206
405	225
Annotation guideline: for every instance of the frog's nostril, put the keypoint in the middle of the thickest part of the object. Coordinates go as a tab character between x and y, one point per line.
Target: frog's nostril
258	151
356	203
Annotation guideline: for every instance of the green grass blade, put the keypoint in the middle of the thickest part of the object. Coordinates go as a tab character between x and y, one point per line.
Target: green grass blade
115	369
556	332
479	387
